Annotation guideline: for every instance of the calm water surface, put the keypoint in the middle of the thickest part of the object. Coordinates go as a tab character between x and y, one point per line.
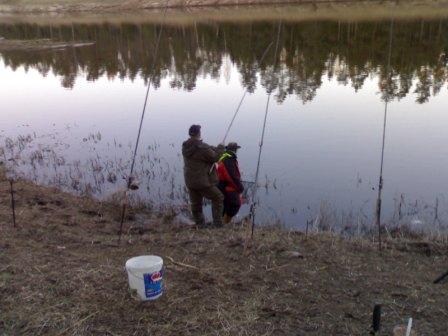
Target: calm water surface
69	117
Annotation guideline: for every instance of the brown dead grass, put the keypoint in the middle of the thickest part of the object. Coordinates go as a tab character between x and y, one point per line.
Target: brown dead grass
61	273
184	12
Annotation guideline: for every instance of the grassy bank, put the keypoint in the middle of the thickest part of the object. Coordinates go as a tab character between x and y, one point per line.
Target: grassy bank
61	273
120	5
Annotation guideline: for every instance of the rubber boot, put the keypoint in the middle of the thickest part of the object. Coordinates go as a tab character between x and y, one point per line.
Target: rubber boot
226	219
199	219
217	208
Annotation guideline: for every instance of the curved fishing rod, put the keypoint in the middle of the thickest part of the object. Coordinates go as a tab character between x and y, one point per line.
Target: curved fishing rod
257	172
380	182
244	96
137	142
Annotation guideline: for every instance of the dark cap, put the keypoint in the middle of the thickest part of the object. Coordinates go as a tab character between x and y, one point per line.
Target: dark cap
233	146
194	130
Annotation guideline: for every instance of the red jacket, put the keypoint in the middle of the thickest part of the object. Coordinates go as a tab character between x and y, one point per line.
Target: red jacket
229	173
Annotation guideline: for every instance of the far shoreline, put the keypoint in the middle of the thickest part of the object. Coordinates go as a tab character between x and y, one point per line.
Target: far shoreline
71	11
117	6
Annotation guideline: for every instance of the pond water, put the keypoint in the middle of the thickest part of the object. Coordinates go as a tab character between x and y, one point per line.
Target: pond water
69	116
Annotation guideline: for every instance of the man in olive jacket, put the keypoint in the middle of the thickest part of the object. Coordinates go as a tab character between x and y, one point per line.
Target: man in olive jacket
200	175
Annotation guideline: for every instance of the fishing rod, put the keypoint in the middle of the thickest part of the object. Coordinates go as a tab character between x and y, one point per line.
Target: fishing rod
244	96
130	183
257	172
380	182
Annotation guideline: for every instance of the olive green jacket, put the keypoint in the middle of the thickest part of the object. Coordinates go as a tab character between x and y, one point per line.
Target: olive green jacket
199	161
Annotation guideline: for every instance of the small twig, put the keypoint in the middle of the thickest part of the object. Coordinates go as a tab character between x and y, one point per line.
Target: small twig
85	318
37	269
276	268
182	299
182	264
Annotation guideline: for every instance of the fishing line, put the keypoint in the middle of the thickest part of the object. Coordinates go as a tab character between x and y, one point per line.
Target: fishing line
380	182
244	96
137	142
257	172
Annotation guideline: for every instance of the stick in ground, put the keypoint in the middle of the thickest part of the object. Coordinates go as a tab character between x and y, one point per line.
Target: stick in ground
13	202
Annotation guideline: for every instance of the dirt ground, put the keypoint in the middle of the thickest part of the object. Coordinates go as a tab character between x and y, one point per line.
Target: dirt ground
62	273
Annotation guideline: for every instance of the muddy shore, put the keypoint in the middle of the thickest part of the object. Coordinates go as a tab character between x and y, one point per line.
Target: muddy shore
61	272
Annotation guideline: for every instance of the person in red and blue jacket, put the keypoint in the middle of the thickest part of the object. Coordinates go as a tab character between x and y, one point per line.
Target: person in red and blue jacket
230	181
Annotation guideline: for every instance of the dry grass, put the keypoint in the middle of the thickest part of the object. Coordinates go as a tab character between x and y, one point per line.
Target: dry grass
113	11
61	273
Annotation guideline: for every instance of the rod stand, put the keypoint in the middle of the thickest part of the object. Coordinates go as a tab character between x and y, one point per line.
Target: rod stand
13	202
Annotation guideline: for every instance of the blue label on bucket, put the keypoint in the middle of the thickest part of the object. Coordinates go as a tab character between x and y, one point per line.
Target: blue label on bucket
153	284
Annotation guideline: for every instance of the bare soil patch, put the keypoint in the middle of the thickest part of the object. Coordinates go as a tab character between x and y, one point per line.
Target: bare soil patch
62	273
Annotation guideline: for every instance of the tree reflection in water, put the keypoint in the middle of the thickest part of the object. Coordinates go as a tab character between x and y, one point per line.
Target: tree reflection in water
347	51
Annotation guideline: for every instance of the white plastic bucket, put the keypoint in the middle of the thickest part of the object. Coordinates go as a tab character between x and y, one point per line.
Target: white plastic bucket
145	275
